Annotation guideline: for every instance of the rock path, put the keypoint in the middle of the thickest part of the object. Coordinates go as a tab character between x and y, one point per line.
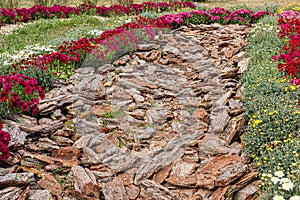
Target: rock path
162	123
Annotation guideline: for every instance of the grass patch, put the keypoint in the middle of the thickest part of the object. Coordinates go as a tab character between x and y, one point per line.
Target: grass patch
55	31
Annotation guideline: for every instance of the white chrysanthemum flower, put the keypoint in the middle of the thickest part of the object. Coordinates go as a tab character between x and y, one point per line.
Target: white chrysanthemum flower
279	174
278	197
275	180
295	198
288	186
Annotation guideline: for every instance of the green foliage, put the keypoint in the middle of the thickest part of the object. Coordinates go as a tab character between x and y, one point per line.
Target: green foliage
62	70
91	2
56	31
199	19
196	1
114	114
122	2
50	2
273	117
44	77
150	14
271	7
240	6
9	4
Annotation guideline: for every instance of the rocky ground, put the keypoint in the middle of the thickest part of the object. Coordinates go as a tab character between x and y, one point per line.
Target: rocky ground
162	123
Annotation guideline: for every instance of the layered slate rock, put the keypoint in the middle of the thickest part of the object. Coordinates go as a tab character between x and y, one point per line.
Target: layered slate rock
161	123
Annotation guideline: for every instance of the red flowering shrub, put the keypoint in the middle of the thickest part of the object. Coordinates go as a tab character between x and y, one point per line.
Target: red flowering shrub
289	57
10	16
4	141
19	93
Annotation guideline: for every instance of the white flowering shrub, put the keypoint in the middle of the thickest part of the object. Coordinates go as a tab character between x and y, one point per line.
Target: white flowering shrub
279	186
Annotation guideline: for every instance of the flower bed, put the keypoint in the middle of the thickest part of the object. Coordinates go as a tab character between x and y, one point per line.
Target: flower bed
273	115
10	16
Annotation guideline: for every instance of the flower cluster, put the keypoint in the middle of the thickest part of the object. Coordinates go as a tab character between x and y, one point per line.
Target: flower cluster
282	186
291	6
9	16
4	141
215	15
28	52
19	93
290	55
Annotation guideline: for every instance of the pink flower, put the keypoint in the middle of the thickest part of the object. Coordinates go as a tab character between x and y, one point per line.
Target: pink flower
4	137
4	152
25	107
215	18
28	90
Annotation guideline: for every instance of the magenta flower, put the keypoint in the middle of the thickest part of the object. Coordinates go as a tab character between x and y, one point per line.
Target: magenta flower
215	18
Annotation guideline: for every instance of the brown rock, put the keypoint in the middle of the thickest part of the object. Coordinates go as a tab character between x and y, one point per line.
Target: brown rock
229	72
115	190
85	182
162	174
40	157
60	140
201	114
68	156
231	173
239	56
219	194
243	65
43	129
183	181
101	110
15	179
132	191
235	125
49	182
39	194
127	177
182	169
156	191
212	146
219	121
242	182
214	53
12	193
228	52
248	192
224	99
138	114
208	175
235	104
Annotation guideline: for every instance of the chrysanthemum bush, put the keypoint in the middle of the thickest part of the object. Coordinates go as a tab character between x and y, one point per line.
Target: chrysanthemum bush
289	57
291	6
9	16
19	93
273	115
